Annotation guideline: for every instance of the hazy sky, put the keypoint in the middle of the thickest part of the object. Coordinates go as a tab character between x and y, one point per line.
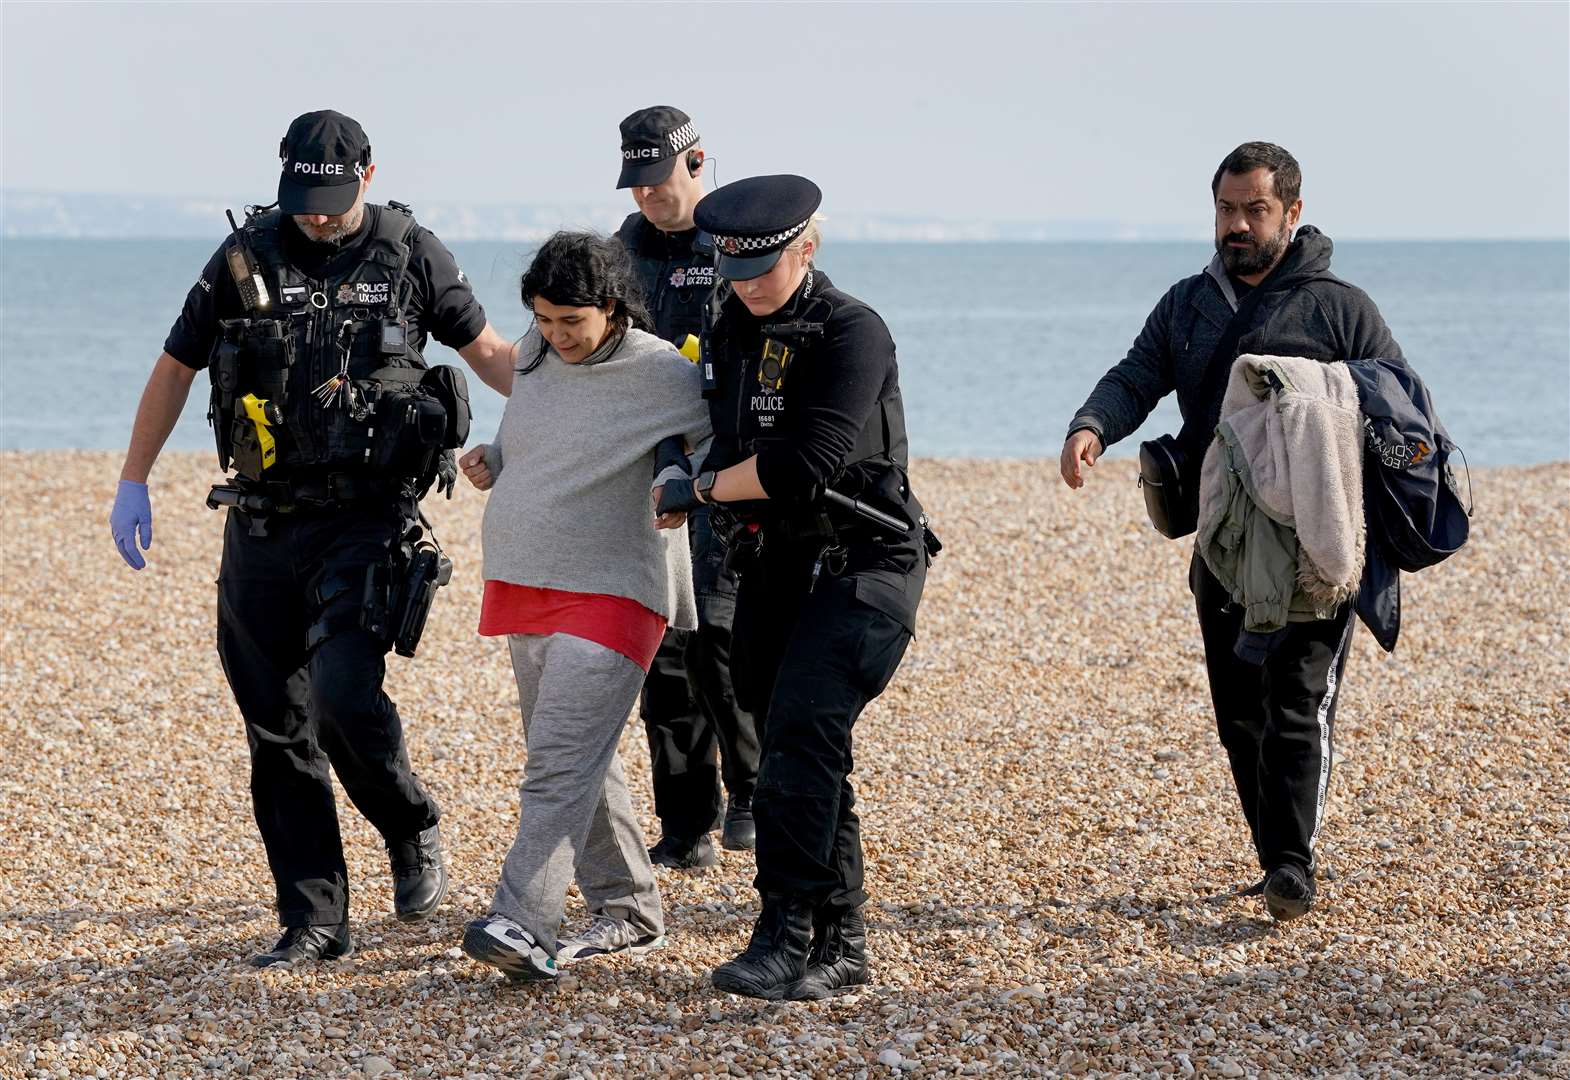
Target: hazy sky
1410	120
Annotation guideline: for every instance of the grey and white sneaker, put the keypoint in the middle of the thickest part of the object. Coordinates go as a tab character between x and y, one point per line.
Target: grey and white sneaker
606	935
498	941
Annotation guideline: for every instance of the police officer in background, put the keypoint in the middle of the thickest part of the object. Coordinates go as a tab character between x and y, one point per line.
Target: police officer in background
688	704
292	315
809	458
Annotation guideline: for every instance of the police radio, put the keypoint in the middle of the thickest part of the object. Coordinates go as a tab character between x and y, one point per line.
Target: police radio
245	270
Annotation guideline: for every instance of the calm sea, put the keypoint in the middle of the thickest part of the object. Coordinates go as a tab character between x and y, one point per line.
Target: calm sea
998	343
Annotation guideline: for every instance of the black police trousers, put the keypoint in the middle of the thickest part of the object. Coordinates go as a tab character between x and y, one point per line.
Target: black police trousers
688	703
806	664
308	680
1275	719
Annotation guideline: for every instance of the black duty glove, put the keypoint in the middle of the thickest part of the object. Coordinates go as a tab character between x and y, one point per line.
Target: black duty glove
446	473
671	450
678	497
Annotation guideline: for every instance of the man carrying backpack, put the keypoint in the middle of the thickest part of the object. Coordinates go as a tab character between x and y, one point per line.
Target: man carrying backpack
1275	719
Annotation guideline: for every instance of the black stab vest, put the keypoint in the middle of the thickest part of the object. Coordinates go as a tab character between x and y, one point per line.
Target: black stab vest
678	279
878	463
282	353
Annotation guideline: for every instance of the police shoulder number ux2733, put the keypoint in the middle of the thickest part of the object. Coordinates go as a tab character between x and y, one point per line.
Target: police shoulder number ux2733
320	377
676	271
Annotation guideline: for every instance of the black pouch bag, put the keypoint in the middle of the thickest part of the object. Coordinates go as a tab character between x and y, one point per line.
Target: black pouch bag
1169	465
447	385
409	433
1170	485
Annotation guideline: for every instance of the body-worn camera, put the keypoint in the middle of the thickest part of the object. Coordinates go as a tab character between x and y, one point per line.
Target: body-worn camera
774	364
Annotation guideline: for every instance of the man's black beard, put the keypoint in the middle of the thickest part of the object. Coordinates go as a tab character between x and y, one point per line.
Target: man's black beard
1256	259
341	235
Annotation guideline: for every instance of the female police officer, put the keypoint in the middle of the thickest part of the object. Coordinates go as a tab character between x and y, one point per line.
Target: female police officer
809	433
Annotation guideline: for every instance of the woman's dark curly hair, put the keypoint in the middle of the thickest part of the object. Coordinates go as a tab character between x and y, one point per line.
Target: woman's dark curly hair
584	269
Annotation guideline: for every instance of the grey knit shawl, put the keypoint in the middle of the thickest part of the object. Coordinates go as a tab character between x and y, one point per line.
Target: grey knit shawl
573	462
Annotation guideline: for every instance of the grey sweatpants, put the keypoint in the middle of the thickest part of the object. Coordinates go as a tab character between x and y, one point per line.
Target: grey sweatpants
576	817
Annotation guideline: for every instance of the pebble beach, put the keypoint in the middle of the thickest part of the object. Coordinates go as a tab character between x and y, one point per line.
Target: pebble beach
1052	840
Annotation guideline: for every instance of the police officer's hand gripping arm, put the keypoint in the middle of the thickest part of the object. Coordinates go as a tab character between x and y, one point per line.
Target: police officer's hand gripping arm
834	407
677	461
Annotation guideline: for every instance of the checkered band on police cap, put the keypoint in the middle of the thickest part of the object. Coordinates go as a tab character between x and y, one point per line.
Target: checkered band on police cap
741	245
682	137
757	216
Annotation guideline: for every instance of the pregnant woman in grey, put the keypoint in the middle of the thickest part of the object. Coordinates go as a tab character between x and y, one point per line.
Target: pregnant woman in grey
582	584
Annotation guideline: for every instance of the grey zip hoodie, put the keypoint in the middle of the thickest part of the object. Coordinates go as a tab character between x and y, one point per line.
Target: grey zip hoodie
573	463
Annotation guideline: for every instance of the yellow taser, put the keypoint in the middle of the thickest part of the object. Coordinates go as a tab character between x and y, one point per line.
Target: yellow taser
265	415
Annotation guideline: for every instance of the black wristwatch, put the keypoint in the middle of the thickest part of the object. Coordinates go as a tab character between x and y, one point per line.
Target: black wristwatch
703	485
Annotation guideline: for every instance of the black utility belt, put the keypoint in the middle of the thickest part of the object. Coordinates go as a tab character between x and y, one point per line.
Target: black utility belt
816	530
808	534
303	494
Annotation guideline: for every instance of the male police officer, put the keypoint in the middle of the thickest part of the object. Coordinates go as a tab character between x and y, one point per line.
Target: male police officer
688	703
294	313
1274	719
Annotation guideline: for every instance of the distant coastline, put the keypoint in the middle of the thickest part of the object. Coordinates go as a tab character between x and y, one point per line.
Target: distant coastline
69	215
110	216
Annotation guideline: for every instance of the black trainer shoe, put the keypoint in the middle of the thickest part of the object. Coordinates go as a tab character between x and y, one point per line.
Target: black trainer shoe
419	874
775	961
682	854
741	832
837	960
1289	892
1256	889
307	943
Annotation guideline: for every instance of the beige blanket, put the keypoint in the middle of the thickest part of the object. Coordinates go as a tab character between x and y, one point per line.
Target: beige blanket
1291	435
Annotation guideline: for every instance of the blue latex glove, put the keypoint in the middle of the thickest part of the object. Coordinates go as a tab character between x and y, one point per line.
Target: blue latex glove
132	515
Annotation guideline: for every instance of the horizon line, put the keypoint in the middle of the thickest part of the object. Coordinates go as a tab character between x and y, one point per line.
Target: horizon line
1079	230
6	234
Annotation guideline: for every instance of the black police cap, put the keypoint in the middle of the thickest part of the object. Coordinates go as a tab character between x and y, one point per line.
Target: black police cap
651	140
754	220
324	157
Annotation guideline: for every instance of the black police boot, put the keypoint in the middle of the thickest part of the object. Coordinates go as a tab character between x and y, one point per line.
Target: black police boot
307	943
741	832
680	853
1289	892
1256	889
775	960
837	961
419	874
